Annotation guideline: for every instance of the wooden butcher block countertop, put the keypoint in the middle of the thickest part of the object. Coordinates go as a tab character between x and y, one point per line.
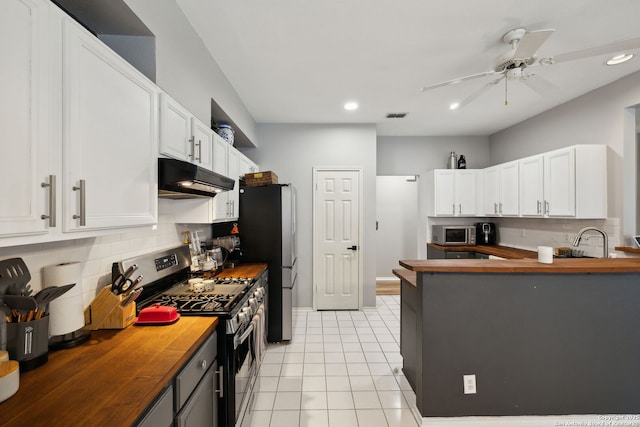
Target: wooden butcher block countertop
109	380
496	250
560	265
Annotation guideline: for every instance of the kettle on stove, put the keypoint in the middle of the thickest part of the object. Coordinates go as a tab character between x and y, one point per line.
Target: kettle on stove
486	233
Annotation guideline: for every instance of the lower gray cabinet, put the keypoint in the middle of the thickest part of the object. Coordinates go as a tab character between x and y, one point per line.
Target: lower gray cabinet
161	413
201	410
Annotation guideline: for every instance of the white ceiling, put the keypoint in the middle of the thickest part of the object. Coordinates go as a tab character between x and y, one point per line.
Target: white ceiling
298	61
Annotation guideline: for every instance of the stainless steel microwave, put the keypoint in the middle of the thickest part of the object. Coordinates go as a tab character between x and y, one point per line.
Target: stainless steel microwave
450	235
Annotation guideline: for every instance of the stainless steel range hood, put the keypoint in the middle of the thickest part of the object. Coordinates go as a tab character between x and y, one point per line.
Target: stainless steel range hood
182	180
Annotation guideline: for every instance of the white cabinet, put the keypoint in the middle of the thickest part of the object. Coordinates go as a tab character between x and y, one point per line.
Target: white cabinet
454	192
24	134
568	183
74	114
501	190
247	165
110	137
182	136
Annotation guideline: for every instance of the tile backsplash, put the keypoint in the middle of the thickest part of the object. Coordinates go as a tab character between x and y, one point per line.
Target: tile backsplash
530	233
98	253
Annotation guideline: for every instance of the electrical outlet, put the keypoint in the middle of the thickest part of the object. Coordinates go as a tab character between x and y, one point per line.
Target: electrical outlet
523	233
469	382
567	237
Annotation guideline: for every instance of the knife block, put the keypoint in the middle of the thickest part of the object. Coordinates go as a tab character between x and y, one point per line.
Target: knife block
106	312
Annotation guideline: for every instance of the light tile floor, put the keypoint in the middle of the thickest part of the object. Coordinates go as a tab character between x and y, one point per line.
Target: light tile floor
341	368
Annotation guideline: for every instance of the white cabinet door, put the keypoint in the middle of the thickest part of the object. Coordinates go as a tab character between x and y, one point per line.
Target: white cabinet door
466	192
110	134
233	173
24	133
202	144
560	183
444	193
491	190
508	205
219	204
532	186
247	165
175	129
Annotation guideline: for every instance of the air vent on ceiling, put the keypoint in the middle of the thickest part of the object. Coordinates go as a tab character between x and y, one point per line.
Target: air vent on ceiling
396	115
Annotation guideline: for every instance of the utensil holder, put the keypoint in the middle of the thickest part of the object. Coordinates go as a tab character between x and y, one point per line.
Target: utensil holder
106	312
28	342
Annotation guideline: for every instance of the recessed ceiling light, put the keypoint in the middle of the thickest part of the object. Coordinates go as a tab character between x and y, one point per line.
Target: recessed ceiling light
350	106
619	59
454	106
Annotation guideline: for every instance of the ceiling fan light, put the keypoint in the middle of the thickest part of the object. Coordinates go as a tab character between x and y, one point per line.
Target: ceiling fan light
454	106
619	59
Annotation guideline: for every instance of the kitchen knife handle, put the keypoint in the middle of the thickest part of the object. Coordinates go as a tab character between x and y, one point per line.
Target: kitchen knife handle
83	213
52	200
220	373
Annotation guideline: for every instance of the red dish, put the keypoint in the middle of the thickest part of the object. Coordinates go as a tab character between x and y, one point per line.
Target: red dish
158	315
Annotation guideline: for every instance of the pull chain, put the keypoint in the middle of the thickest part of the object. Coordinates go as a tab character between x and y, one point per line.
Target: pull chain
505	91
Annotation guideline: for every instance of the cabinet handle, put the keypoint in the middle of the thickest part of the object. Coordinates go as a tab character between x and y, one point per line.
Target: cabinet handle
460	209
83	204
52	200
220	373
500	210
495	208
453	208
203	364
538	206
199	145
192	140
546	206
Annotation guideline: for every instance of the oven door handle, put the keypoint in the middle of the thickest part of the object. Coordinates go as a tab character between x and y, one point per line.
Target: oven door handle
237	341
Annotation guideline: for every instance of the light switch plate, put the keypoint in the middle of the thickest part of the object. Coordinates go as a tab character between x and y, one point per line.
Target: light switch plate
469	382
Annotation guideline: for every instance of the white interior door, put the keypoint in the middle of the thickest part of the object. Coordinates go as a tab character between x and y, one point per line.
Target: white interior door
337	260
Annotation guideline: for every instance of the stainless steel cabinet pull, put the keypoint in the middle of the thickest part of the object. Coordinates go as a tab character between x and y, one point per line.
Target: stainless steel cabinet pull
52	200
539	207
83	213
460	209
203	364
546	207
192	140
495	208
453	207
500	210
220	373
199	145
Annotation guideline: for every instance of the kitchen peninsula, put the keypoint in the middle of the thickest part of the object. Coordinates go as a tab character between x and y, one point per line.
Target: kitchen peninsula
541	339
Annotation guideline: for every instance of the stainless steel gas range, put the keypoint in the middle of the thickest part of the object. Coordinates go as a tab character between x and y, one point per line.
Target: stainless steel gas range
239	302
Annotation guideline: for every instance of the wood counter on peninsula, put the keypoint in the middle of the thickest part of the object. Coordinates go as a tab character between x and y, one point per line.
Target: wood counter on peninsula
541	339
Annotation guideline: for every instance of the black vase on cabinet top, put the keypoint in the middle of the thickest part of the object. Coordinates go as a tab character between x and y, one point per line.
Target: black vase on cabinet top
486	233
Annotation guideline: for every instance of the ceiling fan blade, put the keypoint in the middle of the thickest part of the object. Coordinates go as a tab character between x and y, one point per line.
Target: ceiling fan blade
540	85
531	42
615	47
478	92
458	80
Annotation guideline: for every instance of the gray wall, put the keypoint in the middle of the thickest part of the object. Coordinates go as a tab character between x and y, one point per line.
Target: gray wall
412	155
292	151
185	68
594	118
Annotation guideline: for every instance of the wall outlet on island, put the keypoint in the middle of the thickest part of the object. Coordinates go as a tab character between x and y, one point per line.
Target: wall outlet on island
469	382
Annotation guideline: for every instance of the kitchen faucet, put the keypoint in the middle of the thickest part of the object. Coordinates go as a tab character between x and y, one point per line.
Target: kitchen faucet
605	244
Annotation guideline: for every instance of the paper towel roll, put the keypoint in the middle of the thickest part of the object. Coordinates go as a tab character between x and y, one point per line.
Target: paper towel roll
545	254
66	313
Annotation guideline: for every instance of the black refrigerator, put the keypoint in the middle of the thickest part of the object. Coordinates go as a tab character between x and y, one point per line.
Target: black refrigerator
267	225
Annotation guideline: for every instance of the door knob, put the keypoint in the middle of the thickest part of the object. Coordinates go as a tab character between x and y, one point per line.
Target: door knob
353	248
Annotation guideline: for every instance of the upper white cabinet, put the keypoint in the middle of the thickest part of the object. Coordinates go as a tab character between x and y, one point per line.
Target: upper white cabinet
454	192
183	136
110	137
24	132
79	128
501	190
247	165
570	182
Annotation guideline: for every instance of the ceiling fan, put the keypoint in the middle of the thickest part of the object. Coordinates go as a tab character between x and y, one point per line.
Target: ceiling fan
516	63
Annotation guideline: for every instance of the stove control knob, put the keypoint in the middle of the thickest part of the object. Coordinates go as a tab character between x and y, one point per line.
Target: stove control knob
259	293
253	303
248	311
242	317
